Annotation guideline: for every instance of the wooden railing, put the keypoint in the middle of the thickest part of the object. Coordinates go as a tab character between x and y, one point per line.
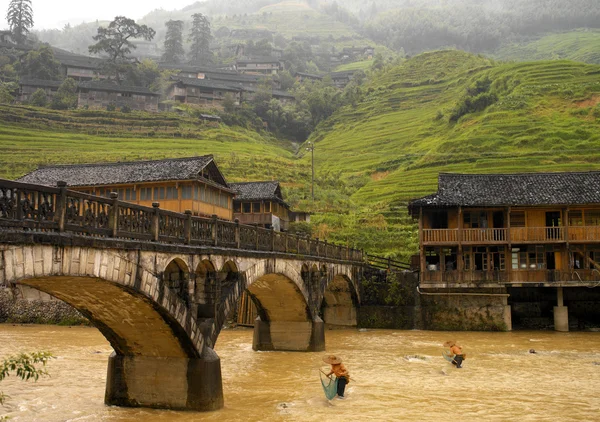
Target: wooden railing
57	209
440	235
516	276
387	264
517	234
584	233
483	235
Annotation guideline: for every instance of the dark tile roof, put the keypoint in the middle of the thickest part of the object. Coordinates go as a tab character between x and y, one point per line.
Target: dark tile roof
124	172
77	60
257	191
235	77
259	60
42	83
203	83
519	189
191	68
276	93
111	87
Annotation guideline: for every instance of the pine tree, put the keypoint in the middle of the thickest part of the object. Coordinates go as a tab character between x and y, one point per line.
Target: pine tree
20	19
200	39
173	46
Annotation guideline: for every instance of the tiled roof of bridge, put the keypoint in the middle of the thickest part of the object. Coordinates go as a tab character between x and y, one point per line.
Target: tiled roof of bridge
257	191
126	172
525	189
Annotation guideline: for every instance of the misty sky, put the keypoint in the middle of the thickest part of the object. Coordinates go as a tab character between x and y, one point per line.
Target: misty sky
55	13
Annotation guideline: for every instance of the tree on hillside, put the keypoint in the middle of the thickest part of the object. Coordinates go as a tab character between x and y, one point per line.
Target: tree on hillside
173	46
20	19
66	95
200	39
41	64
114	41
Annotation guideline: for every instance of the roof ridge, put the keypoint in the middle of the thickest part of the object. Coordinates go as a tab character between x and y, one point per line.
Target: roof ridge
517	174
113	163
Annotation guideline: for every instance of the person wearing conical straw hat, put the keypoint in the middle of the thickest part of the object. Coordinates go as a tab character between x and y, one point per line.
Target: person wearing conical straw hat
340	371
455	350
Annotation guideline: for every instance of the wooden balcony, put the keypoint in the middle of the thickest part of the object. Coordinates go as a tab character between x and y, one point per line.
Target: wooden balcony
583	234
575	276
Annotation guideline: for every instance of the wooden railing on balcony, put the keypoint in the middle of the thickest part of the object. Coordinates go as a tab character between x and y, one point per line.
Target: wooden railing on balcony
37	208
440	235
484	235
517	235
516	276
584	233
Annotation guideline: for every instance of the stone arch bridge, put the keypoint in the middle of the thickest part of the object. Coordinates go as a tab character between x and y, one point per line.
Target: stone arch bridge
159	286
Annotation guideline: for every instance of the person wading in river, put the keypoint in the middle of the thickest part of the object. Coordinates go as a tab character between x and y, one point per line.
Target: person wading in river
340	371
455	350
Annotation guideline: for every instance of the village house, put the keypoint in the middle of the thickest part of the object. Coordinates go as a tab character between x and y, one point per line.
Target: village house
28	86
178	184
301	77
79	67
202	91
511	230
259	65
341	79
95	94
299	217
261	203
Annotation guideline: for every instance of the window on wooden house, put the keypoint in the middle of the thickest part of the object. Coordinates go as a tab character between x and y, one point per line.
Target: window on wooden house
224	201
267	206
592	218
171	193
186	192
439	219
467	262
432	259
576	218
237	207
536	258
121	193
480	258
247	207
256	207
159	193
517	219
449	255
130	194
497	258
203	193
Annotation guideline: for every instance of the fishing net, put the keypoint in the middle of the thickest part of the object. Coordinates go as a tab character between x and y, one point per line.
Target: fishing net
329	385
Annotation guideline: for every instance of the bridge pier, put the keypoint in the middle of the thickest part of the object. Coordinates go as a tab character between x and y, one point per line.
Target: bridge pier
165	382
301	336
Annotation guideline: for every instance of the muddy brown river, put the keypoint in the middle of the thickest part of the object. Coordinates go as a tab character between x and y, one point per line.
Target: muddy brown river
396	375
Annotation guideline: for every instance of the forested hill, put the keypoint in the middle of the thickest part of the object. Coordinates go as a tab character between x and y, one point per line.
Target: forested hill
450	111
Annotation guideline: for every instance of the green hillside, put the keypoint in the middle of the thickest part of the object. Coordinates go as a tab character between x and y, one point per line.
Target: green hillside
445	111
581	45
393	144
30	137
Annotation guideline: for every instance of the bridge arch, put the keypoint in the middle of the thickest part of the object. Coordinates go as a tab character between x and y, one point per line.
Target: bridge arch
177	277
148	325
205	290
285	319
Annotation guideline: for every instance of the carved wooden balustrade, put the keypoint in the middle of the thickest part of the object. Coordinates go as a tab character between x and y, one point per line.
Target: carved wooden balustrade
56	209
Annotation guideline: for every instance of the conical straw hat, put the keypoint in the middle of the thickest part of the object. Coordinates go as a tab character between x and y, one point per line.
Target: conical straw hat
332	360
